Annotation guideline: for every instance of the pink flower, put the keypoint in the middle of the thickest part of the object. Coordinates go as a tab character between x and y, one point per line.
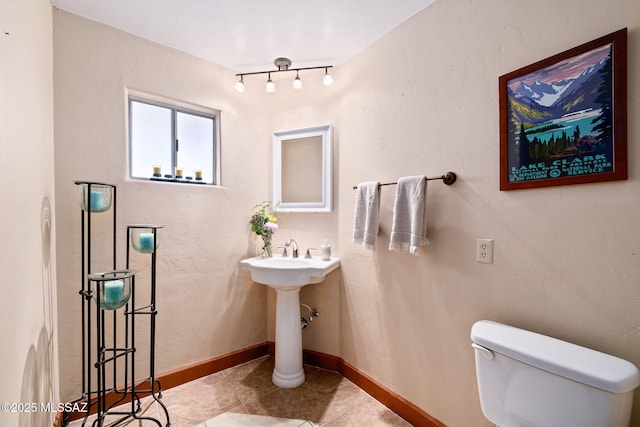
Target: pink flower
271	226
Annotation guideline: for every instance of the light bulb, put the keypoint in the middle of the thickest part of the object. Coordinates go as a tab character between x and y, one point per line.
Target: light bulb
297	83
271	87
327	79
240	85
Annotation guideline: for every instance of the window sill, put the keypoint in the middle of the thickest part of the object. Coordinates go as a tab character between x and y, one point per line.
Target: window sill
182	181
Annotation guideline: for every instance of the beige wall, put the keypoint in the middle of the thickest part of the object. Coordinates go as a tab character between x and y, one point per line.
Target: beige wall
206	306
422	100
28	317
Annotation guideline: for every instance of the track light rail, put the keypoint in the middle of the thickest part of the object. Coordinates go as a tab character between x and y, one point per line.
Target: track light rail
282	71
283	65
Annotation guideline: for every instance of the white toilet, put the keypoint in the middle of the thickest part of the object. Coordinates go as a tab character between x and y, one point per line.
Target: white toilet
531	380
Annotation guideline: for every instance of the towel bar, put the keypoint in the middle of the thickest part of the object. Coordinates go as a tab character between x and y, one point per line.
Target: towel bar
448	178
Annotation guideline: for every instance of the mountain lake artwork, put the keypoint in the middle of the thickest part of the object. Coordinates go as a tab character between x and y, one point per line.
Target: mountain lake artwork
560	119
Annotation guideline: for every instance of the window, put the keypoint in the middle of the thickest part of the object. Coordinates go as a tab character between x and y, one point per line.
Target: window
172	144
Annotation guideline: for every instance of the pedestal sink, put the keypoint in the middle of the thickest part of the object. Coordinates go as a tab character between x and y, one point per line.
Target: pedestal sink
287	276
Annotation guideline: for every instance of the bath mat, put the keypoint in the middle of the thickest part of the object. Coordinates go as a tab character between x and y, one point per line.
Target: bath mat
230	419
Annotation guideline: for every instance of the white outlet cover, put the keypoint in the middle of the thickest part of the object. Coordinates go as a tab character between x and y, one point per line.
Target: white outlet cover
484	251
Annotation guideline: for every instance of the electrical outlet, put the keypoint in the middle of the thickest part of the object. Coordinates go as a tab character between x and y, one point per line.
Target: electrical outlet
484	251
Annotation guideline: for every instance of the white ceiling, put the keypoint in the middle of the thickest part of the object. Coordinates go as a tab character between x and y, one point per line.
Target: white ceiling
247	35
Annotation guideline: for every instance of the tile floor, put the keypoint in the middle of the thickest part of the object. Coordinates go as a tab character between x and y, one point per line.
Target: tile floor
245	396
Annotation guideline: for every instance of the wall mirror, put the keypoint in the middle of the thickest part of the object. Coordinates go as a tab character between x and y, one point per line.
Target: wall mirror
302	170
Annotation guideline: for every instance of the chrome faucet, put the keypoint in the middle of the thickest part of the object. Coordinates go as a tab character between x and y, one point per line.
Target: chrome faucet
294	251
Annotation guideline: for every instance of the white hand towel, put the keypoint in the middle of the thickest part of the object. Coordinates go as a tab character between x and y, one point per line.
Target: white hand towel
365	225
409	229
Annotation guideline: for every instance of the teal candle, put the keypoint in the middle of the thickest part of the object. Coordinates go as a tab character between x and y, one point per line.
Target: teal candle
146	242
96	200
112	292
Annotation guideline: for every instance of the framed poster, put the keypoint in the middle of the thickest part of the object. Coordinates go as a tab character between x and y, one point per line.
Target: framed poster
563	120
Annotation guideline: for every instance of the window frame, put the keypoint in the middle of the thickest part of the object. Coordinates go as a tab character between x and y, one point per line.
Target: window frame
175	107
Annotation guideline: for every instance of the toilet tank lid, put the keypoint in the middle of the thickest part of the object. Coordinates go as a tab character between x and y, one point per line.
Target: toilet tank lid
572	361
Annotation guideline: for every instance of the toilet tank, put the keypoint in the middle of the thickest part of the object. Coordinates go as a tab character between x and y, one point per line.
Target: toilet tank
530	380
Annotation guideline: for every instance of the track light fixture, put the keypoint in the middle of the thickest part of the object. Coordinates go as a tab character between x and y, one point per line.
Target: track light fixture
283	65
271	87
327	79
240	85
297	83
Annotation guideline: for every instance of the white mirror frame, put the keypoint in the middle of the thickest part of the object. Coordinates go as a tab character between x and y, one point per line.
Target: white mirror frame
325	205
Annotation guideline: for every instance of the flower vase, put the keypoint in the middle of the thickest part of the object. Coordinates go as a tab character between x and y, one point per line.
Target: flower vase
266	247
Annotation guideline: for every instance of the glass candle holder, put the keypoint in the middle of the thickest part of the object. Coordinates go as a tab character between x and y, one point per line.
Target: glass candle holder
198	173
112	289
144	239
157	171
179	173
98	199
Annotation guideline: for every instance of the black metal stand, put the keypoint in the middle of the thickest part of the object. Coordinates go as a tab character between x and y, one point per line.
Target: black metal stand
149	245
101	396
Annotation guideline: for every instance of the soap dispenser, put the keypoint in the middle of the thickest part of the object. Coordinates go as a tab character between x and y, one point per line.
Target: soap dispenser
325	251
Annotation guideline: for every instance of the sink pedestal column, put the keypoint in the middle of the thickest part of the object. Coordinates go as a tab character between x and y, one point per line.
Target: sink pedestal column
288	372
287	276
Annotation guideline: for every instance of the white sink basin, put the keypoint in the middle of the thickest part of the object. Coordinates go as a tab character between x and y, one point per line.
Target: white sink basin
279	272
287	276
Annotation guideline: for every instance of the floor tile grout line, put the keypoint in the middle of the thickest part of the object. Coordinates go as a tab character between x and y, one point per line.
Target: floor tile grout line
333	419
233	389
